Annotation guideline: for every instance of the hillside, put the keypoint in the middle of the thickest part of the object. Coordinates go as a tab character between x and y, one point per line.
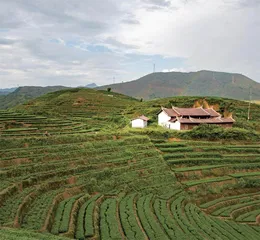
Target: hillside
23	94
239	109
98	109
121	185
202	83
5	91
104	109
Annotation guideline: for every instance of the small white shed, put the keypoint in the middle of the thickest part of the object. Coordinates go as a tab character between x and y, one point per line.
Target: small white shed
140	122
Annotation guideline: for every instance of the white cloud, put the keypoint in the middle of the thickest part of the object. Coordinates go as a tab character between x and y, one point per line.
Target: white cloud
176	70
47	42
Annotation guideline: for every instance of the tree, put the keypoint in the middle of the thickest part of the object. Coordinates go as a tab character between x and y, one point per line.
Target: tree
109	89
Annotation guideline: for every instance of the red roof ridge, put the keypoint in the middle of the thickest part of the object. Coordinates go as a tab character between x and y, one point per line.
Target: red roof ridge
142	117
205	110
175	110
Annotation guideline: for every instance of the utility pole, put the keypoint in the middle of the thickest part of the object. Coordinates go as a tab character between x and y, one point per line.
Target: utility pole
154	68
249	105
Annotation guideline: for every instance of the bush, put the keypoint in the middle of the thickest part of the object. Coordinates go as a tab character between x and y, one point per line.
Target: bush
204	131
214	132
240	134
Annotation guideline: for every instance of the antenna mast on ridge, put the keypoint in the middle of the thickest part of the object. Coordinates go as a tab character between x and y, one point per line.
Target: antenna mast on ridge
249	105
154	68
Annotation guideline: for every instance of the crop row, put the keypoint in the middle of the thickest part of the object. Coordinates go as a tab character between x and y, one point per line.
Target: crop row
128	218
109	224
85	220
147	218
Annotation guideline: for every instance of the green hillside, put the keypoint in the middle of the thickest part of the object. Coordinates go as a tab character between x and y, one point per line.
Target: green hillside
72	168
96	109
102	110
23	94
122	184
202	83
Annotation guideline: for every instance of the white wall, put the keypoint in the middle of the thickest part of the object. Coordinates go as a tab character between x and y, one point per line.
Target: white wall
163	119
176	125
139	123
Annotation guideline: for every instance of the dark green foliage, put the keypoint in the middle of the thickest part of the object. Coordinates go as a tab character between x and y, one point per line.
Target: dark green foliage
213	132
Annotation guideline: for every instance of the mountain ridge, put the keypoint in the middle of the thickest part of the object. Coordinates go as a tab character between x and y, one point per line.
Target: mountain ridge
23	94
201	83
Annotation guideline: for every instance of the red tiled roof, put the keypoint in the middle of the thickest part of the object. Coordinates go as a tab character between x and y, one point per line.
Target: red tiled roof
143	118
207	120
212	112
198	112
190	112
170	112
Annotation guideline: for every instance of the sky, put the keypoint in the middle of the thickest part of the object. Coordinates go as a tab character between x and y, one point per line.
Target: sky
77	42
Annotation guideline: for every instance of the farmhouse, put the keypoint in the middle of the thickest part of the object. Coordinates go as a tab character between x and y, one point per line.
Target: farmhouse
187	118
140	122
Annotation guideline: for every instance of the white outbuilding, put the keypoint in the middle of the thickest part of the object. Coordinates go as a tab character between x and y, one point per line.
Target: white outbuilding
140	122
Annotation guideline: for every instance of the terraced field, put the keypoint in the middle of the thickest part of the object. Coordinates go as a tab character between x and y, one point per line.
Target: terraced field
14	124
84	184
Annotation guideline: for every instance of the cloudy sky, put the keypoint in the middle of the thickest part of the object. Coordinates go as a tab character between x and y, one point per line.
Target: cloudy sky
76	42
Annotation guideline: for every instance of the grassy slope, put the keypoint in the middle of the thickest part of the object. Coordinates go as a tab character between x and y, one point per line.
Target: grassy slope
190	84
116	163
120	167
23	94
84	104
72	101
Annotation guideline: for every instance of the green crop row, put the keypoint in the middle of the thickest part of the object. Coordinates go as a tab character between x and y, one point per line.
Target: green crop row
208	180
245	174
213	161
171	145
34	219
176	150
22	234
178	214
89	217
64	223
249	216
58	217
109	224
226	211
146	216
197	168
10	207
193	155
167	221
223	199
202	226
128	218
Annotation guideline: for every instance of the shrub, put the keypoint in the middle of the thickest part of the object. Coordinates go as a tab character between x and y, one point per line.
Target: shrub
214	132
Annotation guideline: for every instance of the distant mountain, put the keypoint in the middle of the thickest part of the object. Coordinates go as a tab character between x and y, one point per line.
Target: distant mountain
202	83
91	85
5	91
23	94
